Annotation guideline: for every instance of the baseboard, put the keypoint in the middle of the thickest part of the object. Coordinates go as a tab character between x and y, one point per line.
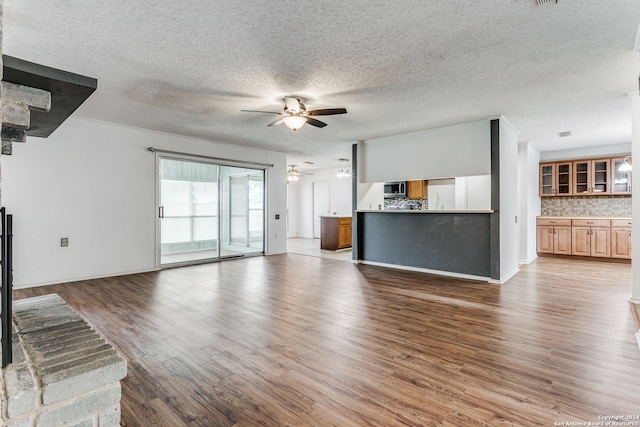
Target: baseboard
635	310
82	279
529	261
426	270
504	279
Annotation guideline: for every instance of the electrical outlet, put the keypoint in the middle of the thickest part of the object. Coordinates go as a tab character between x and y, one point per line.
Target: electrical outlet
276	235
64	242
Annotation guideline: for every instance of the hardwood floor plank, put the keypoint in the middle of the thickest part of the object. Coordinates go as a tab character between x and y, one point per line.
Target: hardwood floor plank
302	341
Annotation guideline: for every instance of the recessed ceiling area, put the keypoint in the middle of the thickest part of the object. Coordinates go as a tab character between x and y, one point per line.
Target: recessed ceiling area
189	67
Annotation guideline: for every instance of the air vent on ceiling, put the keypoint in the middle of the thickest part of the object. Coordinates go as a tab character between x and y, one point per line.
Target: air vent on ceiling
564	134
543	2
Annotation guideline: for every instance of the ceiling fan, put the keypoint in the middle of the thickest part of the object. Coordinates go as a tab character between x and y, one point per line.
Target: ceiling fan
296	115
294	175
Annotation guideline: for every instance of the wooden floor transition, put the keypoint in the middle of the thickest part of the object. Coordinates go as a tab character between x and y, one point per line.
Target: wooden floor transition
294	340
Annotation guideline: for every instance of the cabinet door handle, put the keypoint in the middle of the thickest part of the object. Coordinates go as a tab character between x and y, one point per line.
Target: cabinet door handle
589	222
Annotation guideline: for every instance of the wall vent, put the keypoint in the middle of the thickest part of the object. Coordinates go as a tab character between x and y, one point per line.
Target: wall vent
543	2
564	134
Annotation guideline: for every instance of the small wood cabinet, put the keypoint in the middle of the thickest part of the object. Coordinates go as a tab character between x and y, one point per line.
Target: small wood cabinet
621	238
591	237
592	177
554	236
556	179
335	232
417	189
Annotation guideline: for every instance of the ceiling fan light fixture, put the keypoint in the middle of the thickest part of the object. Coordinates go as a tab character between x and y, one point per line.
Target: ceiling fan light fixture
294	122
292	178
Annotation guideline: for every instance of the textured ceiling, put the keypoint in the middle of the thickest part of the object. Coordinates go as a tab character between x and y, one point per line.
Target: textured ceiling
189	67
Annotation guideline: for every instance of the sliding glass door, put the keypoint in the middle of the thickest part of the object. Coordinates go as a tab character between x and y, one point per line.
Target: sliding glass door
209	211
242	211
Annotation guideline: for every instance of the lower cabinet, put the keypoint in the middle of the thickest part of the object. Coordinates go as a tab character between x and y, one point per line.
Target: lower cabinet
621	239
591	237
602	238
554	236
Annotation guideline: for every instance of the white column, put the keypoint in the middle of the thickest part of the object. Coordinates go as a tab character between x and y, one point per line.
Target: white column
635	202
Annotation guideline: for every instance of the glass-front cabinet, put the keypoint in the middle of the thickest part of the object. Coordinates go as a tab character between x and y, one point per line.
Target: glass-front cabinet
620	180
592	177
555	179
585	177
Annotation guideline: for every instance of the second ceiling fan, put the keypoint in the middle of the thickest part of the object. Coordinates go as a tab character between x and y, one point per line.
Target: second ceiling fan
296	115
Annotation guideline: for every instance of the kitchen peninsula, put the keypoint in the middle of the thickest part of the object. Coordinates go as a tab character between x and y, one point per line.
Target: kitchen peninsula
455	241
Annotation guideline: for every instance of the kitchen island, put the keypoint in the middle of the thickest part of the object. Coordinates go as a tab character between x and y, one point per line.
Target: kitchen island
452	242
335	232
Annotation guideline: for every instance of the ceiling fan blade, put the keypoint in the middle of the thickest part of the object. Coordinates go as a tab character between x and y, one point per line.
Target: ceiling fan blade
293	104
316	123
327	112
277	122
258	111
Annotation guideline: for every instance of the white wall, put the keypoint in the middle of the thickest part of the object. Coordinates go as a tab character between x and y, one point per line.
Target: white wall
300	200
462	150
370	196
95	183
442	194
529	201
473	192
508	200
585	153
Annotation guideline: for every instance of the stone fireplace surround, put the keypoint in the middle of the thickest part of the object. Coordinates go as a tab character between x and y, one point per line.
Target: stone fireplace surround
63	373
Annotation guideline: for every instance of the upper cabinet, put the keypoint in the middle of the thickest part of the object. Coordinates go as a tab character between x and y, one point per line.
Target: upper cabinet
620	181
555	179
589	177
417	190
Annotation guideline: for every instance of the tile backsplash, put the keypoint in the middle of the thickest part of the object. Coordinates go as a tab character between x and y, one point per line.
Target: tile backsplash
404	203
586	206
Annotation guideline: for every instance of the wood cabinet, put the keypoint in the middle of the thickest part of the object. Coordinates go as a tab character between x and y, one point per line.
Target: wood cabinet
417	189
621	239
584	177
620	181
335	232
554	236
591	237
556	179
591	177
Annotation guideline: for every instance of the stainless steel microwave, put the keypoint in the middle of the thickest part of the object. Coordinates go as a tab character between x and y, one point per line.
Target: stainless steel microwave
395	189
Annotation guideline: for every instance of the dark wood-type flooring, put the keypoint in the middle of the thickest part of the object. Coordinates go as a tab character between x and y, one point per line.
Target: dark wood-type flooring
294	340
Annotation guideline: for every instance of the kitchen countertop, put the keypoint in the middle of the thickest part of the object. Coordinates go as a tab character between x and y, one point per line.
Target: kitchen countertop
419	211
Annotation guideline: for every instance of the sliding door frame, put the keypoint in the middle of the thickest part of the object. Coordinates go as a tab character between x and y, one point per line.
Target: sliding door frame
218	162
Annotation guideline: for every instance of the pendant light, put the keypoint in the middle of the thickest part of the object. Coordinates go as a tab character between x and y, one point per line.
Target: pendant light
343	173
625	166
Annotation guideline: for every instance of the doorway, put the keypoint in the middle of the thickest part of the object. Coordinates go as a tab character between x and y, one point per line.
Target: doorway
321	204
209	211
